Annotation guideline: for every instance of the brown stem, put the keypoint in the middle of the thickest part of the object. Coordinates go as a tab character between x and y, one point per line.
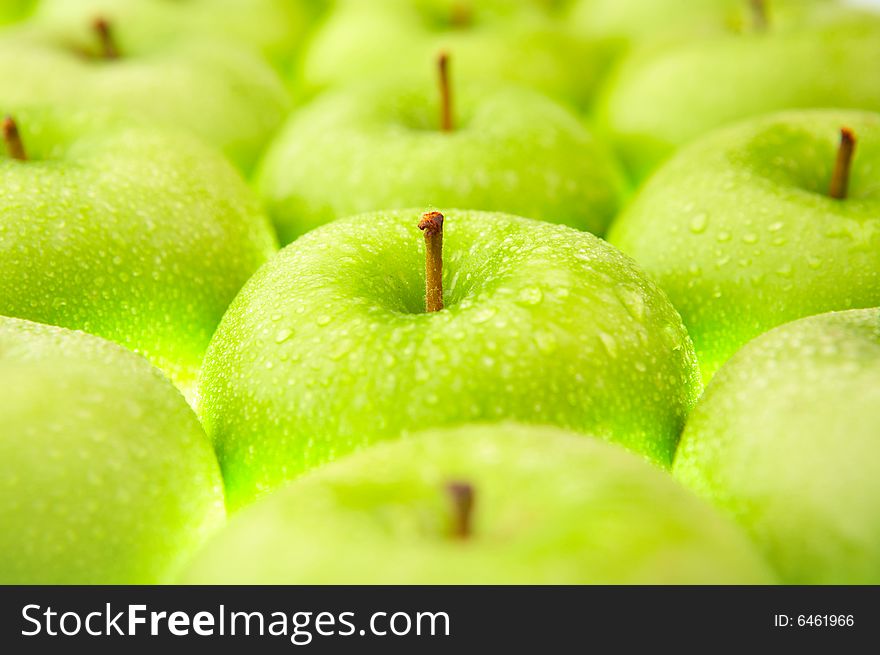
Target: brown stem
462	495
759	14
840	178
104	31
445	93
14	144
432	225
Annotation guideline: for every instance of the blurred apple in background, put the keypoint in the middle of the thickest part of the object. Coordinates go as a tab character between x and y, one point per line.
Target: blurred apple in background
493	504
383	145
785	440
742	231
662	97
628	23
106	476
14	10
139	236
489	41
226	95
332	345
275	28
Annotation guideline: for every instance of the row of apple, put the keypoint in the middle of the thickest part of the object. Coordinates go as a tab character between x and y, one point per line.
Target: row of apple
144	237
653	74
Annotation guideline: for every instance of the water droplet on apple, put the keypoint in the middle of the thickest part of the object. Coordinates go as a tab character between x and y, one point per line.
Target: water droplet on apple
722	236
340	349
483	314
632	300
775	227
699	223
750	237
323	320
283	335
609	343
531	295
546	341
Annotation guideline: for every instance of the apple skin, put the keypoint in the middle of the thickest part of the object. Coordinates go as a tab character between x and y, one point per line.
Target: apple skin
12	11
225	95
139	236
739	229
633	22
379	146
328	347
664	97
505	42
275	28
785	441
550	507
106	475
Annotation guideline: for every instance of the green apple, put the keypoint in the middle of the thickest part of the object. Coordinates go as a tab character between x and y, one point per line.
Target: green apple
380	145
664	97
139	236
274	27
490	504
14	10
741	231
489	41
785	440
329	348
106	476
225	95
631	22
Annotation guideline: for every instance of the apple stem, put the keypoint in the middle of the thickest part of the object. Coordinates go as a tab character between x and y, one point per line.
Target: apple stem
105	37
759	14
431	224
840	178
11	136
462	495
445	93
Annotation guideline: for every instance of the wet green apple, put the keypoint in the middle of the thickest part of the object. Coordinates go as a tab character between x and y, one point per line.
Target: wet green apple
492	41
742	231
275	28
140	236
492	504
630	23
665	96
332	345
226	95
785	441
383	145
14	10
106	476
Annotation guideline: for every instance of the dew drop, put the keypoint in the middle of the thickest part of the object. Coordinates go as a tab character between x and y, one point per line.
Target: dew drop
632	300
283	335
545	341
531	295
609	343
699	223
483	314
